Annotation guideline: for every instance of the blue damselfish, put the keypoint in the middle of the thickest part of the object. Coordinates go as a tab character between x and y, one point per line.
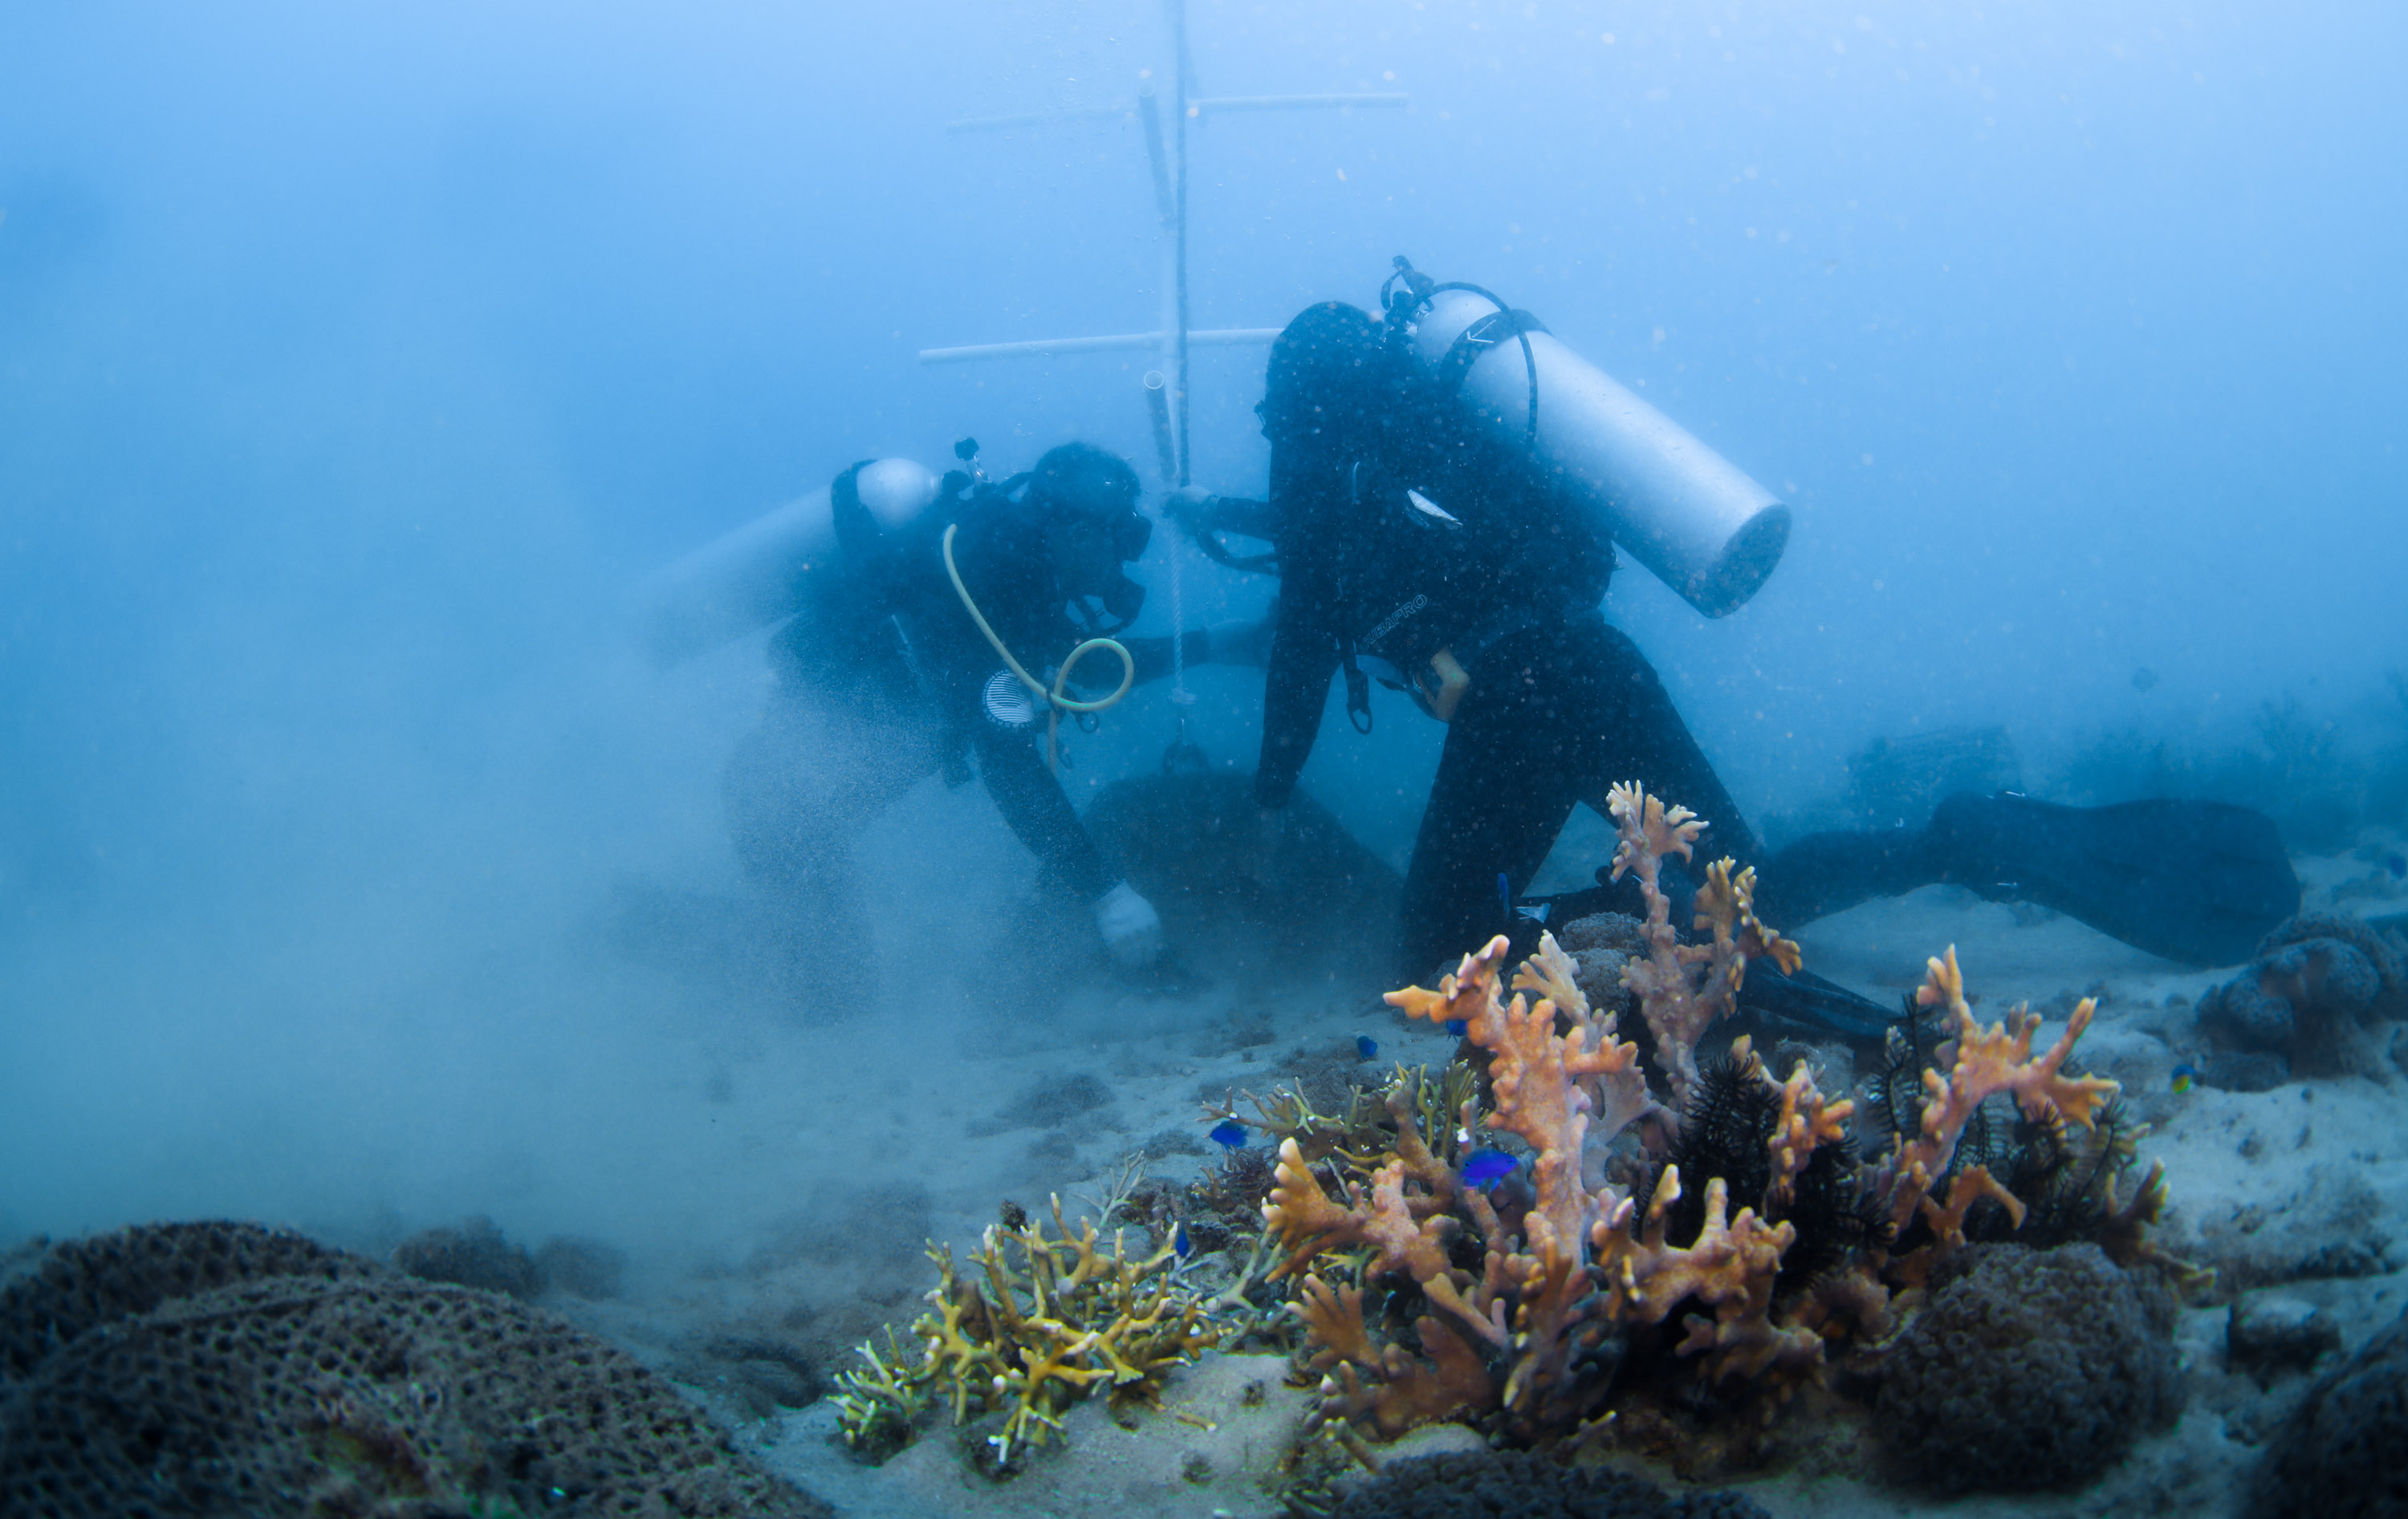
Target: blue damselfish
1482	1166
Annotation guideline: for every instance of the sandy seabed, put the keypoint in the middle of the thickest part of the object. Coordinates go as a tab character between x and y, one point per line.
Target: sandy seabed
2266	1186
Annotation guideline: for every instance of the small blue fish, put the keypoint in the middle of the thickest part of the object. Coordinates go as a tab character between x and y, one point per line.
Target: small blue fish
1180	1244
1365	1047
1230	1133
1505	890
2186	1076
2396	863
1483	1167
1458	1027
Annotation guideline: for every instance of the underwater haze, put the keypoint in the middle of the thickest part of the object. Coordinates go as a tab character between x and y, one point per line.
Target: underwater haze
357	363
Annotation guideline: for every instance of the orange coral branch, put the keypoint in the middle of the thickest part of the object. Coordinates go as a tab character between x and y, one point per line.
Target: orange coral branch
1987	1061
1401	1393
1731	1268
1805	1121
1682	988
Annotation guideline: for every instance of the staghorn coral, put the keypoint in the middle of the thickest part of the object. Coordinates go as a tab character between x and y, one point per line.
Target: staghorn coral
1982	1063
1044	1323
1682	987
1760	1250
1523	1300
1782	1149
1361	1137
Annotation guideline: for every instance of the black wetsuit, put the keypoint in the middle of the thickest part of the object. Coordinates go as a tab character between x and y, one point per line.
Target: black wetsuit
1560	704
887	634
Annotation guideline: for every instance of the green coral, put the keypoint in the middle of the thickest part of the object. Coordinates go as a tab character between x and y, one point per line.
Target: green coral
1041	1323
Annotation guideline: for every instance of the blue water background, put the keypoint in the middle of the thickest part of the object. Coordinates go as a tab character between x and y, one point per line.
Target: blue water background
355	362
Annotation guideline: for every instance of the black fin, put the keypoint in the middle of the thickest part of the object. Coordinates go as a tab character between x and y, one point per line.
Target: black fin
2193	881
1809	1001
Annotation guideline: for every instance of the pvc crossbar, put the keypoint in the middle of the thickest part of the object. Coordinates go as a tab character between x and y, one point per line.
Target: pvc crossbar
1042	346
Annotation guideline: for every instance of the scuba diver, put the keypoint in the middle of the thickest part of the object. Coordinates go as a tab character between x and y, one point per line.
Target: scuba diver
1421	544
926	643
1414	550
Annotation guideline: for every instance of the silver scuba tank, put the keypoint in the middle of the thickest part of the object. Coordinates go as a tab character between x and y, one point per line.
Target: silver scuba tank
1681	509
760	573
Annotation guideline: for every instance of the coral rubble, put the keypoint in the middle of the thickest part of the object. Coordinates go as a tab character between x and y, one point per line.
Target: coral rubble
2340	1451
1493	1484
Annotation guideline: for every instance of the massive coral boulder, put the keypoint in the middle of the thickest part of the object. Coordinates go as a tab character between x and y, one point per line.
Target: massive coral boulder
223	1369
2317	982
2340	1458
2028	1370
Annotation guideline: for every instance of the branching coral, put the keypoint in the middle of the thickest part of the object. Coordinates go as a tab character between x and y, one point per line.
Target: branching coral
1559	1271
1731	1268
1045	1322
1983	1063
1684	987
1425	1297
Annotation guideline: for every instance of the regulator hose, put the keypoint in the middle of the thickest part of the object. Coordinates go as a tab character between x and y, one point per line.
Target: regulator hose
1056	702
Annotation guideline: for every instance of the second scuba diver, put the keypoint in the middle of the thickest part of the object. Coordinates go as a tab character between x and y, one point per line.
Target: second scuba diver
940	641
1419	549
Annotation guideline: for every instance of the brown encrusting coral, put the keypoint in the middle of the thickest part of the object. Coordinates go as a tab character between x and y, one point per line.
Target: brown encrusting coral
1726	1234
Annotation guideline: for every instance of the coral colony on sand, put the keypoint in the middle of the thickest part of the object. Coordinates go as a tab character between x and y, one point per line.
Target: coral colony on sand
1724	1236
1045	1322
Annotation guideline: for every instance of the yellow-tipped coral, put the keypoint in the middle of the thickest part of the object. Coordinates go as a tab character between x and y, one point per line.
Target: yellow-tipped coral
1045	1322
1729	1267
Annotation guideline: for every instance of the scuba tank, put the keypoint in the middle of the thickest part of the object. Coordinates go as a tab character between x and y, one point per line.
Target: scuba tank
757	574
1703	527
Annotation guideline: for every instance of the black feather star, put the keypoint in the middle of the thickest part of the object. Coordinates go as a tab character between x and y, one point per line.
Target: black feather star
1726	1132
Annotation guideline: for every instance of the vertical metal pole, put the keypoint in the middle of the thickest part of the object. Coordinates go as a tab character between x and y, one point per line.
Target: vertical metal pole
1179	230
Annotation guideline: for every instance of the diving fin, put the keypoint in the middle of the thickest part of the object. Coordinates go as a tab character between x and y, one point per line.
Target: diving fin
2192	881
1805	1000
1802	1000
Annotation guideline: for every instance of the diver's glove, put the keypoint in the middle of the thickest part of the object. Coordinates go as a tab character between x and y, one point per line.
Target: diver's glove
1132	929
1189	505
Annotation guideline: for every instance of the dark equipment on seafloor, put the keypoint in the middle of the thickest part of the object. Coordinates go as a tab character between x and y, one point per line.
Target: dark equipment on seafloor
1191	842
2196	882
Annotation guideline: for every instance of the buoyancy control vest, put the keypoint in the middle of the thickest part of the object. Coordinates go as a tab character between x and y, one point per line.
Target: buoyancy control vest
1428	555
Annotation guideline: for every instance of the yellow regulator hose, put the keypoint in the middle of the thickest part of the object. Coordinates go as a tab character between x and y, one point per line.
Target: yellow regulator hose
1057	703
